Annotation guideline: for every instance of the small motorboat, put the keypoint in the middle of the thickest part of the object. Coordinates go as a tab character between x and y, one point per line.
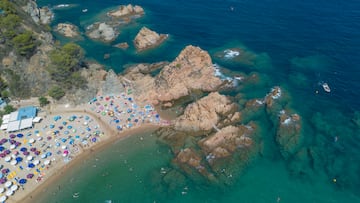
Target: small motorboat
326	87
85	10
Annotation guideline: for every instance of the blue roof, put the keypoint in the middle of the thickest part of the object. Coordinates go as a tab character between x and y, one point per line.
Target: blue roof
26	112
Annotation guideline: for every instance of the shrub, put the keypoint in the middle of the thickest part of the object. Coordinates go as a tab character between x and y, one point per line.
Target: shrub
43	101
24	43
56	92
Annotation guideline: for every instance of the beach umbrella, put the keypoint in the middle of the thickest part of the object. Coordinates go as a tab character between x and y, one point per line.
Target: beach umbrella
22	181
4	140
31	141
66	132
13	162
8	158
52	126
47	162
37	153
64	122
17	144
12	141
36	162
16	152
26	153
12	136
43	156
30	175
3	198
7	151
2	189
1	175
12	146
29	158
57	144
2	148
5	170
48	138
136	120
33	149
48	153
61	127
69	127
93	139
77	136
18	159
14	187
31	165
63	140
2	155
9	193
2	180
8	184
20	135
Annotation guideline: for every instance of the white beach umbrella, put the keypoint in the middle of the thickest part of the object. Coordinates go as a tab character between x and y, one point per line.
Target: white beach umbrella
63	147
47	162
29	158
12	146
2	189
36	162
43	156
8	184
14	187
3	198
8	158
9	193
13	162
31	141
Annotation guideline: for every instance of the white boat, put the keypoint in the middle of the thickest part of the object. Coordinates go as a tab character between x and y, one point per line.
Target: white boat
326	87
85	10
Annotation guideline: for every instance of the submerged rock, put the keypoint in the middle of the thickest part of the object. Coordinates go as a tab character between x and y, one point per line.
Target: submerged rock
122	45
147	38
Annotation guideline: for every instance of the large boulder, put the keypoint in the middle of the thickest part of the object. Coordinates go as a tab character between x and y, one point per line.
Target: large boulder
126	10
147	38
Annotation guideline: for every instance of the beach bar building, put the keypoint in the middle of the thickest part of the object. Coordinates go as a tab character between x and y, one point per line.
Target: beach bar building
21	119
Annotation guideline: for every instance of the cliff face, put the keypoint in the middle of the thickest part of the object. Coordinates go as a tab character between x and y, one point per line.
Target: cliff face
191	71
40	15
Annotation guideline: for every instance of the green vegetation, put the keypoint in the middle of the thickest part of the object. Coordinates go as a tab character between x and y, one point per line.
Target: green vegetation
8	109
65	64
24	43
56	92
18	87
43	101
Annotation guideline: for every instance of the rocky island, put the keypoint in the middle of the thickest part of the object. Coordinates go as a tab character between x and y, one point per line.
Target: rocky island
146	39
126	11
102	31
68	30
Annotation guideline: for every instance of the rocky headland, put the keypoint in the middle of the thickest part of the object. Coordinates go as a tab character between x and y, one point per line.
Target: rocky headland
68	30
146	39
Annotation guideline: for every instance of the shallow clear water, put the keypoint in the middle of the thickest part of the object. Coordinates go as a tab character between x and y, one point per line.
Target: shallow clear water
298	45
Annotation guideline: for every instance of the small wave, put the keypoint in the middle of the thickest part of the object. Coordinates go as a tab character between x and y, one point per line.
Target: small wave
229	54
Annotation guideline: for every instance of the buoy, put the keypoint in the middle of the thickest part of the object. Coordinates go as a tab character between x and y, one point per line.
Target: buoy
334	180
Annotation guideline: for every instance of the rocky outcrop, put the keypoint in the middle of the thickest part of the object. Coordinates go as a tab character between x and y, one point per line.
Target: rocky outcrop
68	30
207	113
147	38
102	31
126	10
40	15
190	72
226	141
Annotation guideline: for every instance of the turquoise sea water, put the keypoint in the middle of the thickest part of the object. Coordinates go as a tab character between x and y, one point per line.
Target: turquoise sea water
298	45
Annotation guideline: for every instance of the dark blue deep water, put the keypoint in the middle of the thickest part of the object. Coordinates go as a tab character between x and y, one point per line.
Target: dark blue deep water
298	45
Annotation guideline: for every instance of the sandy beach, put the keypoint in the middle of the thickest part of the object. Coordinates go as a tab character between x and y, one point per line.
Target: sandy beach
34	158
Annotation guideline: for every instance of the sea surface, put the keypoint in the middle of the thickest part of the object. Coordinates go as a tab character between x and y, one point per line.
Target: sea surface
297	45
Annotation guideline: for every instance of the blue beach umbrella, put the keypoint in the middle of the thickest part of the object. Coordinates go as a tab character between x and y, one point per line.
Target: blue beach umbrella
66	132
48	154
20	135
2	148
69	127
18	159
31	165
22	181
